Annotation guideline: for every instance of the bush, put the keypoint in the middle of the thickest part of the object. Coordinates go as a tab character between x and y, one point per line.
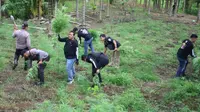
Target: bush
122	79
101	104
94	34
182	90
133	100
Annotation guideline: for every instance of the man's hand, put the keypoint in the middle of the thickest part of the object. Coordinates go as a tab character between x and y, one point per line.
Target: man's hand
98	71
40	62
116	49
15	27
77	62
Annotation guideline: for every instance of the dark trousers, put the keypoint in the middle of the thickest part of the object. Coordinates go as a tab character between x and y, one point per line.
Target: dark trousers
41	68
18	52
103	61
182	67
93	74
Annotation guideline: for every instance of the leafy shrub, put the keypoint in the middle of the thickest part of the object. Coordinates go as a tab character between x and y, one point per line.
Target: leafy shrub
48	106
32	72
133	100
61	22
119	79
181	90
196	64
94	34
101	104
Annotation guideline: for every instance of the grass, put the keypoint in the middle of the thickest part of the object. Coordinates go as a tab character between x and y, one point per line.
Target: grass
148	61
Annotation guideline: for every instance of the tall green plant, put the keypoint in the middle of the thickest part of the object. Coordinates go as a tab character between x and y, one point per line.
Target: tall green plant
61	21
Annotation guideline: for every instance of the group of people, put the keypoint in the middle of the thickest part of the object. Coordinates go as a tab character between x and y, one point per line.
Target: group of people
71	50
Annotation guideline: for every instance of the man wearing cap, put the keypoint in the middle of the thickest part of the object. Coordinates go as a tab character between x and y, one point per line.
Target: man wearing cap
41	57
98	61
112	45
186	49
22	43
83	32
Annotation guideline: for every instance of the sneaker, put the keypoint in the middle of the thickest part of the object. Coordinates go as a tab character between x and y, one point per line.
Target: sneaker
70	82
15	65
39	83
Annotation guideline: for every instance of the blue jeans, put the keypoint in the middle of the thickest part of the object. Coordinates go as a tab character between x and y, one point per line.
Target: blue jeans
182	67
86	44
70	69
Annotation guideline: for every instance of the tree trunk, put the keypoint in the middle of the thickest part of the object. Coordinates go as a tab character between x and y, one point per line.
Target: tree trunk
145	4
159	4
77	12
198	16
175	8
108	9
100	11
155	5
184	3
149	7
0	12
171	8
39	8
83	18
167	6
140	2
56	6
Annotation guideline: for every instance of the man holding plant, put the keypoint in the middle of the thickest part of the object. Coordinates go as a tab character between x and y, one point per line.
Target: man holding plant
41	57
71	54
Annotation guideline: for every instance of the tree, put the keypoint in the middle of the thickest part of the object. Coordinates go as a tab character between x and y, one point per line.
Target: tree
0	11
83	16
198	16
149	7
108	9
39	8
100	11
184	3
77	12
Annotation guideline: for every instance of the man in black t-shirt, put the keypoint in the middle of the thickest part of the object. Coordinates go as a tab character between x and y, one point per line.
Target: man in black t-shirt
186	49
113	45
71	54
98	61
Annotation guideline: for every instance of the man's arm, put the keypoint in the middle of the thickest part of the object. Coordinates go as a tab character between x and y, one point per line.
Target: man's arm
77	61
192	53
28	42
115	44
105	49
61	39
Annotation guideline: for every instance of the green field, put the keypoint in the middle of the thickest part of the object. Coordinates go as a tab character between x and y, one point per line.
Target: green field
143	83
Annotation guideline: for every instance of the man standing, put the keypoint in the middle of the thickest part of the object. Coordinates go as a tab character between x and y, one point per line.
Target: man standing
41	57
83	32
183	52
22	43
98	61
112	45
71	54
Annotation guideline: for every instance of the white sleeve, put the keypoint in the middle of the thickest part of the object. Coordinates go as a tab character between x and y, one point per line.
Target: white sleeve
93	62
77	53
193	54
